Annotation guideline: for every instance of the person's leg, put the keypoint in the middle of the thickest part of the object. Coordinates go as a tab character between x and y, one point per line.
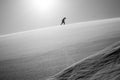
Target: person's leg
64	23
61	23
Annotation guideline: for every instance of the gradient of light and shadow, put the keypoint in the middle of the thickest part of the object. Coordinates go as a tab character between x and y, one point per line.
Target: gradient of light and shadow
33	44
20	15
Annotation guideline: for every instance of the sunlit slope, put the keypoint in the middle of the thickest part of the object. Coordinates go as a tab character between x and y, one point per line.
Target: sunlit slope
104	65
38	54
38	41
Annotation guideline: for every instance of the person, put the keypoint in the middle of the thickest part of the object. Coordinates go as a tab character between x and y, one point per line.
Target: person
63	21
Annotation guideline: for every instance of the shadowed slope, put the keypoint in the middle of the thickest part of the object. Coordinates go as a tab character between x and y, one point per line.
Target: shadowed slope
30	43
103	66
39	54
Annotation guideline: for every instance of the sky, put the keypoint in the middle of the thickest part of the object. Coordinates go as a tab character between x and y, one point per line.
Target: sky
22	15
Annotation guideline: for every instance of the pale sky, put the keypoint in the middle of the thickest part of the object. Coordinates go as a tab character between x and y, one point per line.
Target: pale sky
22	15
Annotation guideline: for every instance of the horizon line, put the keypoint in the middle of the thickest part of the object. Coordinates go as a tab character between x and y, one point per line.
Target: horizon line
99	20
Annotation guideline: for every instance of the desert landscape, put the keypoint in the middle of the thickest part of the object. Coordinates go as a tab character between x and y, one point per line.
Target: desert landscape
105	65
56	52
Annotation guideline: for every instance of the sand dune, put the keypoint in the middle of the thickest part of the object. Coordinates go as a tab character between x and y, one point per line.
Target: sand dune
29	43
105	65
38	54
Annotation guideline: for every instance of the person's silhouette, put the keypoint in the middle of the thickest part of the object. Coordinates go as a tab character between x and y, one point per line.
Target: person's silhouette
63	21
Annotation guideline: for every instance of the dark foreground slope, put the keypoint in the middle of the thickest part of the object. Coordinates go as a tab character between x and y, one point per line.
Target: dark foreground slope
103	66
39	54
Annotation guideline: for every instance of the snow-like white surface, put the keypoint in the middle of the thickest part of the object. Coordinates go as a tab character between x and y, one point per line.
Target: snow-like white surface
43	40
38	54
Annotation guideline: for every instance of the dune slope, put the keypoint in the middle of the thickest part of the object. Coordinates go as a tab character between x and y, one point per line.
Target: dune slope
38	54
104	65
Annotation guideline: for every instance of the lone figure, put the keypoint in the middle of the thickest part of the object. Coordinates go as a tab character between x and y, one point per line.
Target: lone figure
63	21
